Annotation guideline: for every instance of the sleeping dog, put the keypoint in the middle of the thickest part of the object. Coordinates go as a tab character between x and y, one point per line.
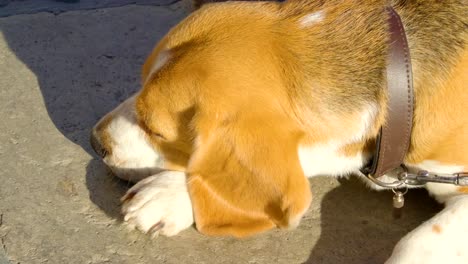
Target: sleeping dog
242	101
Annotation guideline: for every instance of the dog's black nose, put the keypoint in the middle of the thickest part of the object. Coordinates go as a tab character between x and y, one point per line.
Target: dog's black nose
96	145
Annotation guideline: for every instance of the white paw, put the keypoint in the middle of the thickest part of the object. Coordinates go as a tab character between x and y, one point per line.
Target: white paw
442	239
159	204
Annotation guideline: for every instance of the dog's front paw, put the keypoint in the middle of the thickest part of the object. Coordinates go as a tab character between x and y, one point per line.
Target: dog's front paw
159	204
441	239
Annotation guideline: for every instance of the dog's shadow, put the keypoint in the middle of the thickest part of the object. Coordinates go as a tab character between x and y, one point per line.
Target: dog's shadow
105	190
86	63
358	225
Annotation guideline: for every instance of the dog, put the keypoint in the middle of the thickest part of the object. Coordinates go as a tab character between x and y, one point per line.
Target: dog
241	102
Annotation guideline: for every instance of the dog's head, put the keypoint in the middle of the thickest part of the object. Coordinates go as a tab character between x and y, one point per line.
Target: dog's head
201	82
216	103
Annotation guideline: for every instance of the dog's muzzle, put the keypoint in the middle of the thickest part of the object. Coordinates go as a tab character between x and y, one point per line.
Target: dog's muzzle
96	145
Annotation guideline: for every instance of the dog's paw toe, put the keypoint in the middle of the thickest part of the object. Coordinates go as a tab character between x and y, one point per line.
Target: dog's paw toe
159	204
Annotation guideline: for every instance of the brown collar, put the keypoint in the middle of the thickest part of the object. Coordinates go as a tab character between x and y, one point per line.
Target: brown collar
394	138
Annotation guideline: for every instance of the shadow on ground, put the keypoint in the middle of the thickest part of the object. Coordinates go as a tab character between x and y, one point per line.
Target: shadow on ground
86	63
358	226
105	190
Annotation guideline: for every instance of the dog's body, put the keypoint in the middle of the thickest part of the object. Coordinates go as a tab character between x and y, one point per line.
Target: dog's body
246	99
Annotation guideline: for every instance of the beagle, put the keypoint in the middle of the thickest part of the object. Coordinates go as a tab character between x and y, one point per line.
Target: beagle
243	101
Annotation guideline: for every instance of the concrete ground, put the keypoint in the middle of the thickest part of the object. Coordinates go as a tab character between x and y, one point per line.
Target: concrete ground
60	72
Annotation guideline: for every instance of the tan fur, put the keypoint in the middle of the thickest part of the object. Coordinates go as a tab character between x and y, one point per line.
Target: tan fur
104	137
436	229
267	195
241	182
463	189
245	85
443	134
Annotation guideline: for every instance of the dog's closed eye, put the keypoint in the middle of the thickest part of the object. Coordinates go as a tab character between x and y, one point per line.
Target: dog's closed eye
159	135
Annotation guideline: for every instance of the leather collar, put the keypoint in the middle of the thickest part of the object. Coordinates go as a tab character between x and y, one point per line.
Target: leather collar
394	138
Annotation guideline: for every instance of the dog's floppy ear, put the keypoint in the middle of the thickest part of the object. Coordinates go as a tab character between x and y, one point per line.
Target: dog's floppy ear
245	177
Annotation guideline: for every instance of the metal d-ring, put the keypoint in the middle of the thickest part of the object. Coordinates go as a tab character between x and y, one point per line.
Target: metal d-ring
395	191
395	184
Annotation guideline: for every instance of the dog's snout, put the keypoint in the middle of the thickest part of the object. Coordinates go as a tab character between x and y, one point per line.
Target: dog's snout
96	145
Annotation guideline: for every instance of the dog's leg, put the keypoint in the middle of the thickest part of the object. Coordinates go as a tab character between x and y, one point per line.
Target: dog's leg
159	204
442	239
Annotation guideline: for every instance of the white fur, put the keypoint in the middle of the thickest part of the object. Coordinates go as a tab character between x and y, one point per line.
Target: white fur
441	192
312	18
325	159
162	198
132	155
442	239
160	61
367	121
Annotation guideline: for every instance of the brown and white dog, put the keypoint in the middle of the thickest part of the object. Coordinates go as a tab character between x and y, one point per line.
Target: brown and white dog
242	101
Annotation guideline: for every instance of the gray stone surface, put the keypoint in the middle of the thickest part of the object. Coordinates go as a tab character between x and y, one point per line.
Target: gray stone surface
58	75
15	7
3	258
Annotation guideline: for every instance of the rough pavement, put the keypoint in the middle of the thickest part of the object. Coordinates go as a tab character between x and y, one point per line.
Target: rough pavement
58	204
